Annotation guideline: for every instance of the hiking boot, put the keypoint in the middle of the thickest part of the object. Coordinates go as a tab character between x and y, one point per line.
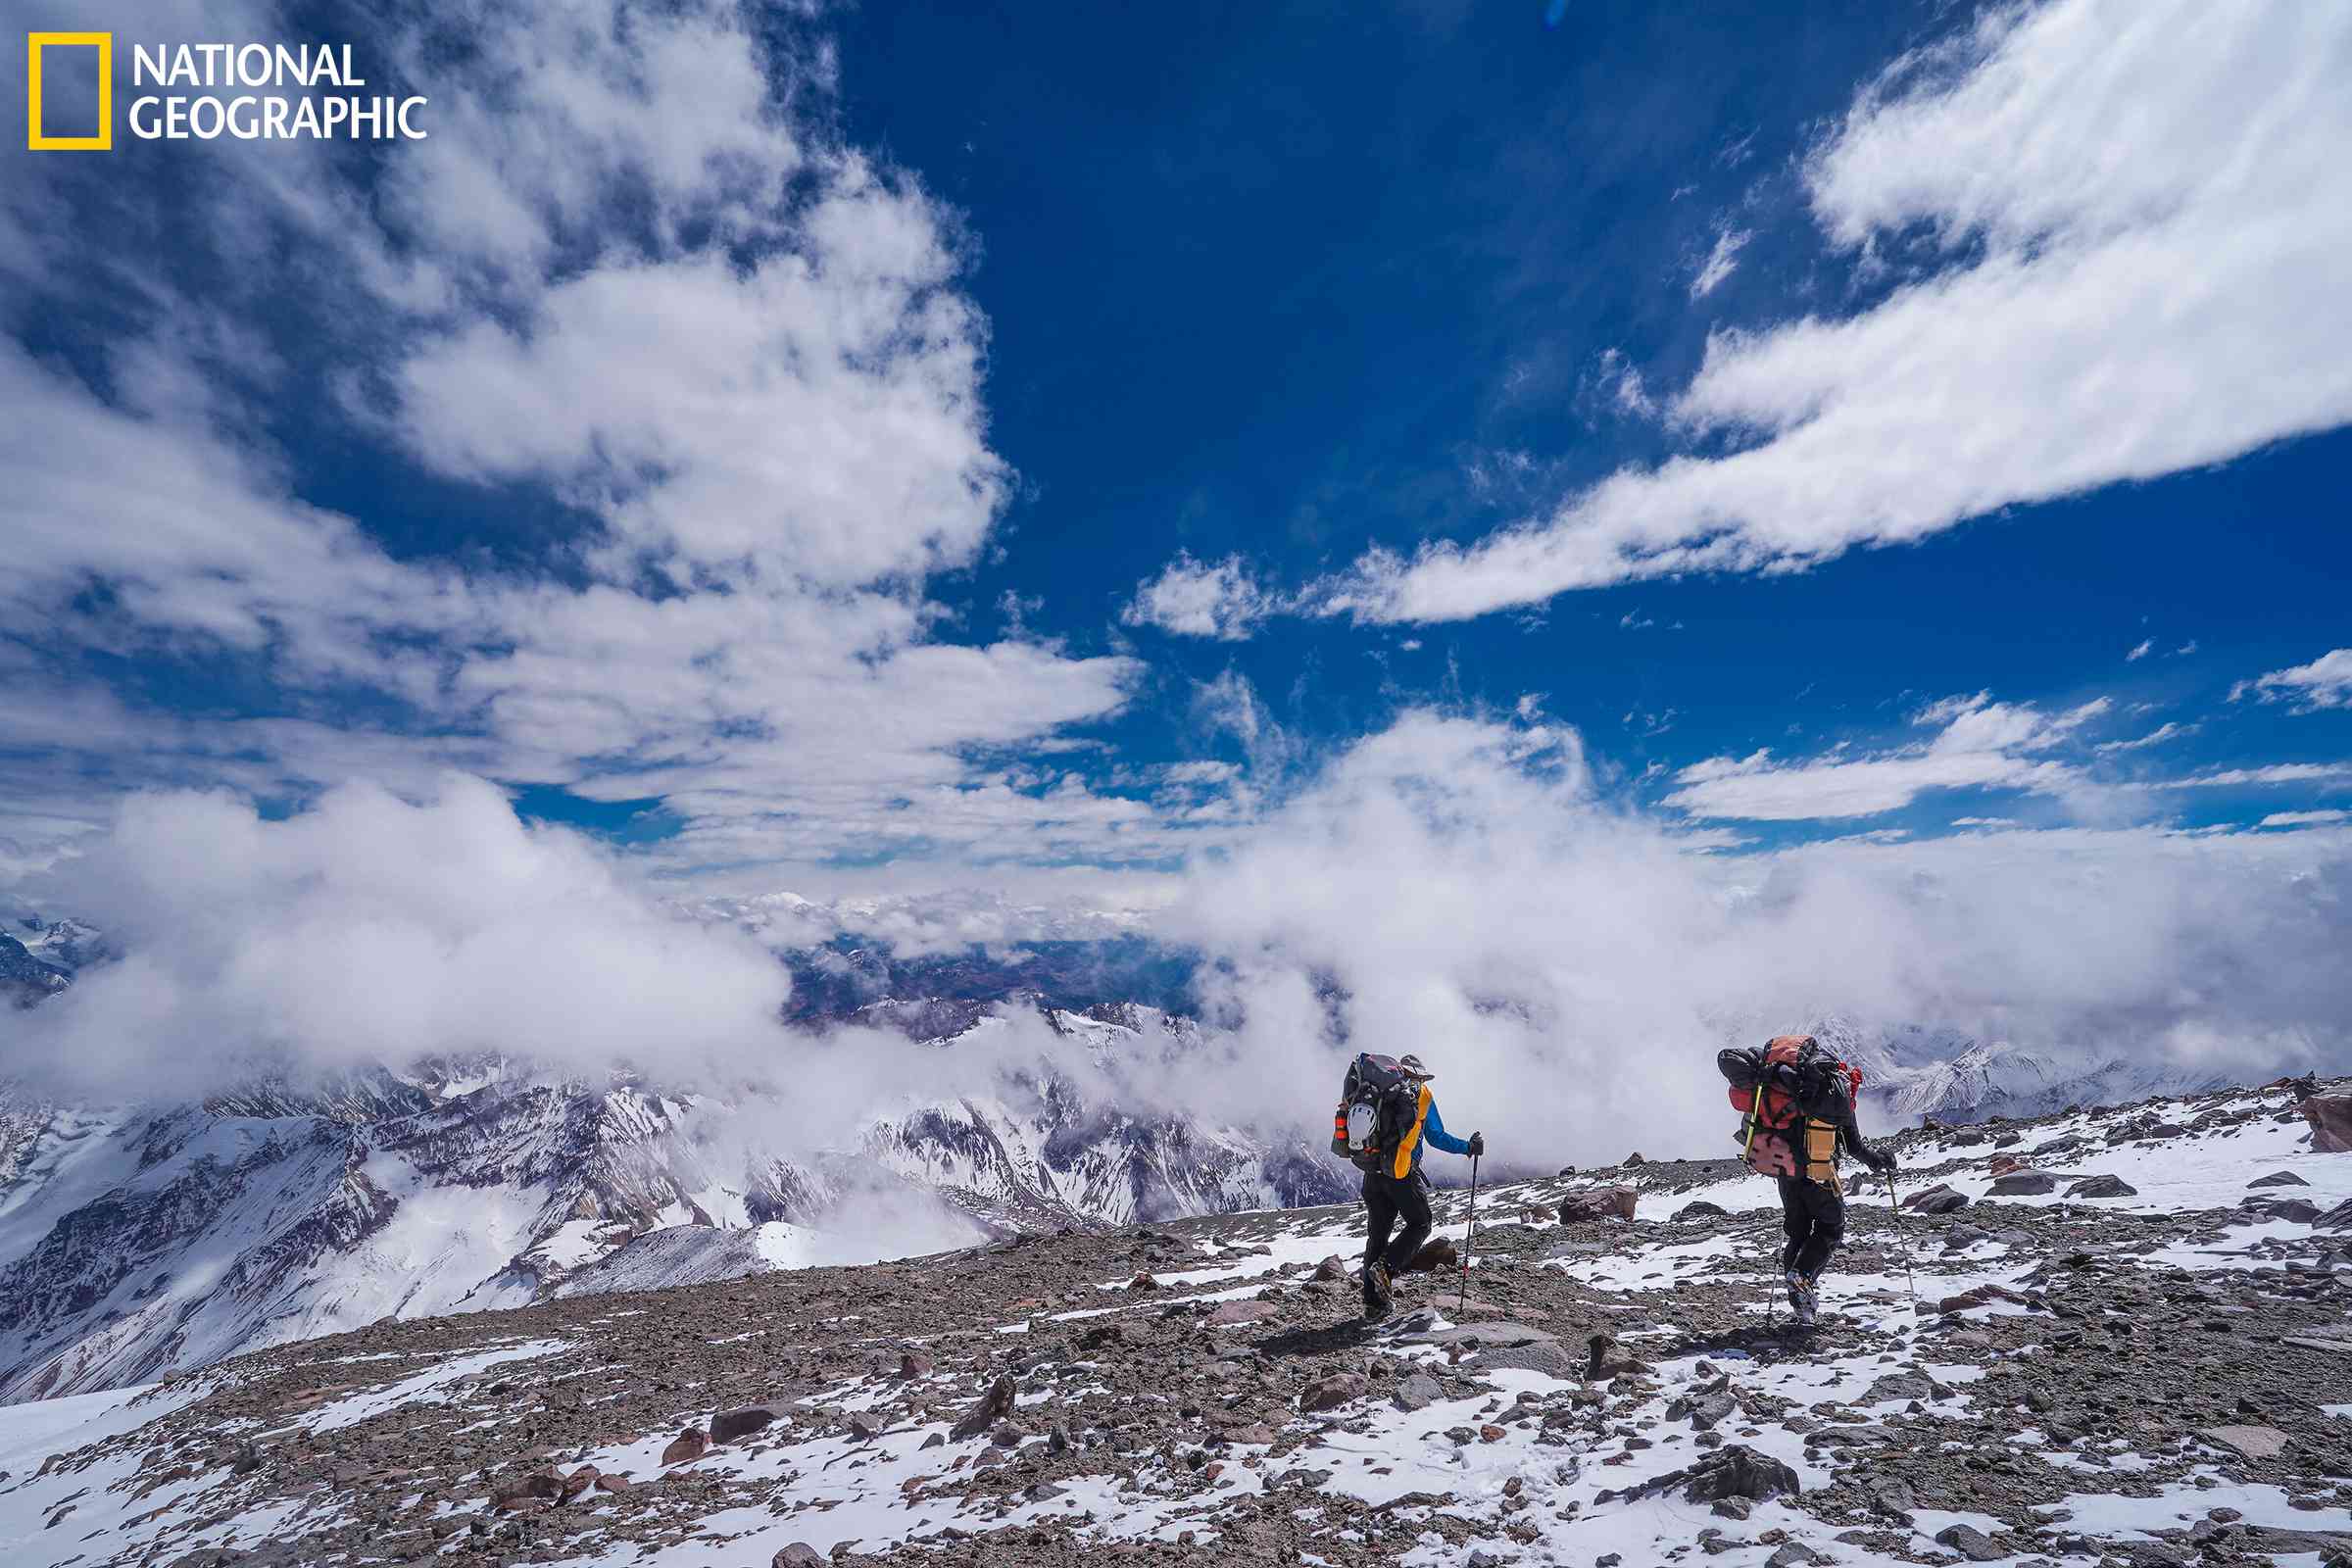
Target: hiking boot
1803	1299
1376	1289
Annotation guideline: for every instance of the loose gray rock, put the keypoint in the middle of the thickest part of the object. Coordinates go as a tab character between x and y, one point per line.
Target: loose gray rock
2102	1186
1970	1542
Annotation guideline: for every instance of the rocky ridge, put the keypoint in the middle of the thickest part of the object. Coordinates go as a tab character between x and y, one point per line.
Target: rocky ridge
2153	1370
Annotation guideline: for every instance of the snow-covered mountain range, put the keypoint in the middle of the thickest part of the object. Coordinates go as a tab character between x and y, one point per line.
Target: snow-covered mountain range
141	1238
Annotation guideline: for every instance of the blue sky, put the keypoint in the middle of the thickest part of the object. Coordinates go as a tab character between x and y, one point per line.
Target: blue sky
928	446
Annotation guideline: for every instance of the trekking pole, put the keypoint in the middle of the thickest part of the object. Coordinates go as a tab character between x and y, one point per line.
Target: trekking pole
1902	1236
1468	1236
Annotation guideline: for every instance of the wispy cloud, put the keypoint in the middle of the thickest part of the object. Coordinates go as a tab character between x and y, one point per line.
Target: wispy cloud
2147	646
2269	773
2331	818
2167	731
2324	682
1722	261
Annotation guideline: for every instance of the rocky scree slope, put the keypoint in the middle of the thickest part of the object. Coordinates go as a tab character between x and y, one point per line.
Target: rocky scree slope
2110	1338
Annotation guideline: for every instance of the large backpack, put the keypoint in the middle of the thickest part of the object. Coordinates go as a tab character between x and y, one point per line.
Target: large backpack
1379	1104
1788	1134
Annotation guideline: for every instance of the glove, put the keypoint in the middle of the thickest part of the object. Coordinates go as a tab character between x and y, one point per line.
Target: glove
1478	1144
1883	1162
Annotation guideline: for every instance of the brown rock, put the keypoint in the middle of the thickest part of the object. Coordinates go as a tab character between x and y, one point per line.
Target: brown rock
687	1445
1143	1281
1333	1269
915	1364
1489	1434
993	1407
1602	1202
579	1480
1329	1393
612	1482
1437	1254
800	1554
2331	1118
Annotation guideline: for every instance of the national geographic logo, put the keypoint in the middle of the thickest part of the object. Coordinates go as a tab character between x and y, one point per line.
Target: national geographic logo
37	135
207	91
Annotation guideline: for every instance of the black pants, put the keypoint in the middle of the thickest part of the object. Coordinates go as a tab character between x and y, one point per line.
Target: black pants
1386	1202
1813	1214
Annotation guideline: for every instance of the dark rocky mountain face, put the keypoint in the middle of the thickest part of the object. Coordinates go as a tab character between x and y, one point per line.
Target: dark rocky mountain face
26	980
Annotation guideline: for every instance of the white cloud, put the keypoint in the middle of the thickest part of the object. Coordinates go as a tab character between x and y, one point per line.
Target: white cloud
2167	731
2138	277
2146	646
2274	773
633	271
2306	820
1981	744
1197	599
1722	261
370	929
1446	883
2324	682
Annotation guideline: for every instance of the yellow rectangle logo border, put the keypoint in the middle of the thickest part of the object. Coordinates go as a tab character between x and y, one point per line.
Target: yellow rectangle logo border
104	44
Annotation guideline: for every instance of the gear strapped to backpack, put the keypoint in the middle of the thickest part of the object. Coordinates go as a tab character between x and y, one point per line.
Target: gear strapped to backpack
1379	1115
1790	1122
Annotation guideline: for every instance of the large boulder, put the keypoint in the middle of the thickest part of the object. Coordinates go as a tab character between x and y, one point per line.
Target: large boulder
731	1425
1601	1202
687	1446
1734	1470
2331	1118
1437	1254
1938	1199
1329	1393
2102	1186
2023	1183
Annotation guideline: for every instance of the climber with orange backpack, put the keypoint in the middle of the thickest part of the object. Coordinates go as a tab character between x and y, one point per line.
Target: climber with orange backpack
1798	1101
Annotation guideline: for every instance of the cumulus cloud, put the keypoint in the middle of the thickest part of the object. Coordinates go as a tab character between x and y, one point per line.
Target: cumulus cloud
633	280
1194	597
2129	275
1461	889
2324	682
370	929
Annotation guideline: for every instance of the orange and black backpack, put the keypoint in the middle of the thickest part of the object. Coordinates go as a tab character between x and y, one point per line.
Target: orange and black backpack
1786	1133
